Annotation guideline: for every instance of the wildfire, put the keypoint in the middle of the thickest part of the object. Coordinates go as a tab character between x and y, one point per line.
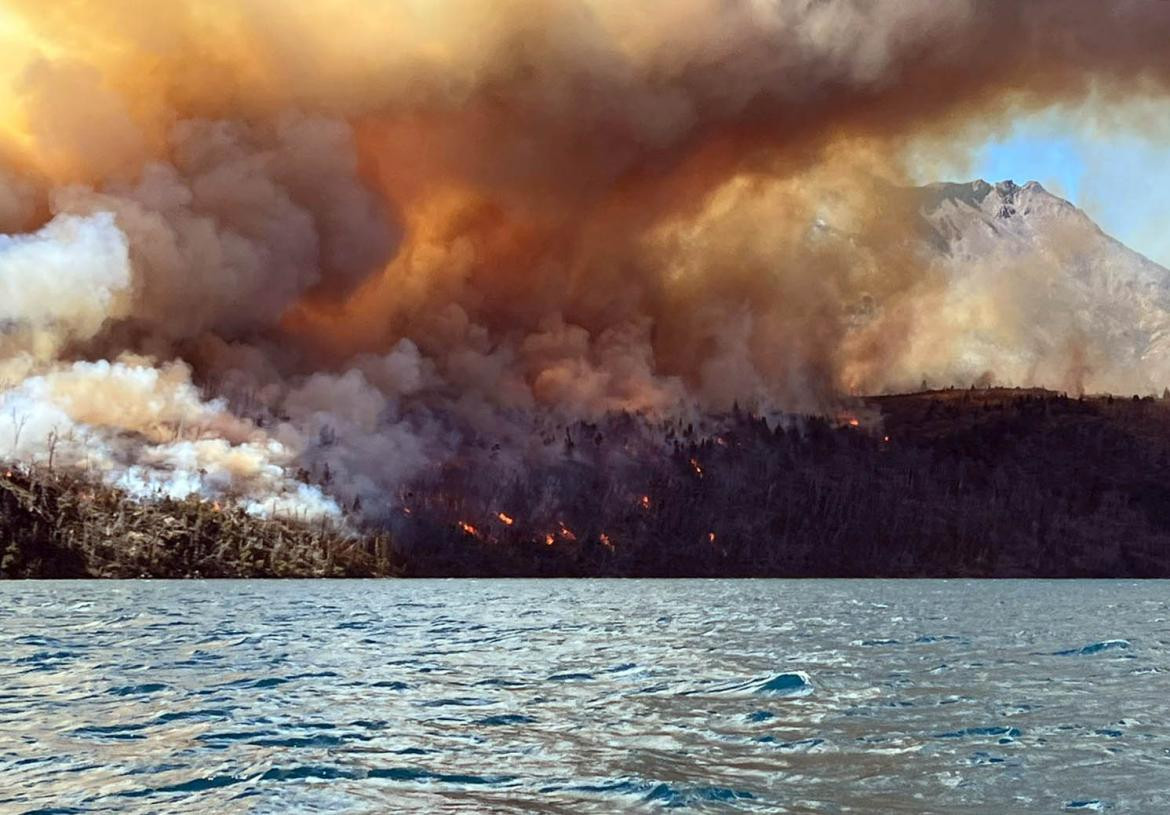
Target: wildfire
549	540
885	439
854	421
407	511
8	473
215	507
645	502
710	537
468	528
505	519
567	533
696	467
606	541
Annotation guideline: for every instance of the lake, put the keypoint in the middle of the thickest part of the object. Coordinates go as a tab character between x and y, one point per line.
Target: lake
601	696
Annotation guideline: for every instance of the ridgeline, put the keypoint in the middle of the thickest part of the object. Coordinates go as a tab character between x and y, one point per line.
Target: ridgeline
955	483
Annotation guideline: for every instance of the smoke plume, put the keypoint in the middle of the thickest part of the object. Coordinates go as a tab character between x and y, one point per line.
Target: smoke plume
253	246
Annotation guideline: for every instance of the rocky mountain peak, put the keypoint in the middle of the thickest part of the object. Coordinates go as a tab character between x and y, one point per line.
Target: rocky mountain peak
1003	207
1020	250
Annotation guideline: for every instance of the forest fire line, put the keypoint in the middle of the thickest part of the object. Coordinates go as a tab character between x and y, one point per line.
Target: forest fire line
593	501
775	481
570	503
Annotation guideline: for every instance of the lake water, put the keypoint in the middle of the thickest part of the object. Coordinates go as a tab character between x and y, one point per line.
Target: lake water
585	696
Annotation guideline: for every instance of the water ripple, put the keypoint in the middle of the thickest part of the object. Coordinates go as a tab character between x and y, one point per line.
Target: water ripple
583	696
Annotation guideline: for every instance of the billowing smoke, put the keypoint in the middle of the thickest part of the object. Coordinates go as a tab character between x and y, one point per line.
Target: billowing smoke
254	246
65	278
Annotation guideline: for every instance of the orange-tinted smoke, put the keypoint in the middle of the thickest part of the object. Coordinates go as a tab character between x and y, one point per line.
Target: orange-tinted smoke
598	187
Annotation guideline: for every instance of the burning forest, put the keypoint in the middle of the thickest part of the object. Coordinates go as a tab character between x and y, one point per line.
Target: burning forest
541	287
958	482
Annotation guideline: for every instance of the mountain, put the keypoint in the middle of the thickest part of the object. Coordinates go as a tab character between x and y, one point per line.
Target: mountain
1034	292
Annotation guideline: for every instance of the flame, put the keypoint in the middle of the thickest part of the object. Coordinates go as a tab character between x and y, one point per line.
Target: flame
710	537
854	421
645	502
215	507
468	528
407	511
606	541
722	442
695	466
567	533
8	473
505	519
885	439
549	539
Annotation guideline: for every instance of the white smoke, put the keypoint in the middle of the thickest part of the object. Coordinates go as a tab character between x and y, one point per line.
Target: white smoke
68	277
146	429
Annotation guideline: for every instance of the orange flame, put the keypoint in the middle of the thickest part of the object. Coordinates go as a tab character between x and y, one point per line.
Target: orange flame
468	528
406	511
710	537
885	439
215	507
695	466
645	502
549	539
505	519
854	421
606	541
567	533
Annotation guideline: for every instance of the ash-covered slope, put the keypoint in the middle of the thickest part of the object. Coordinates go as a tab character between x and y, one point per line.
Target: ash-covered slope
1035	293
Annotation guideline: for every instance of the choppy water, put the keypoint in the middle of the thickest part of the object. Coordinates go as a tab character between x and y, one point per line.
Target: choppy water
585	696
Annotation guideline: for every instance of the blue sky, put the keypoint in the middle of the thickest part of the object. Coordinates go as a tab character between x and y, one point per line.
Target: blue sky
1115	171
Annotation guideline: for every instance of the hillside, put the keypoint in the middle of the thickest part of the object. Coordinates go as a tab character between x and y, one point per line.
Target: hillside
997	482
60	524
